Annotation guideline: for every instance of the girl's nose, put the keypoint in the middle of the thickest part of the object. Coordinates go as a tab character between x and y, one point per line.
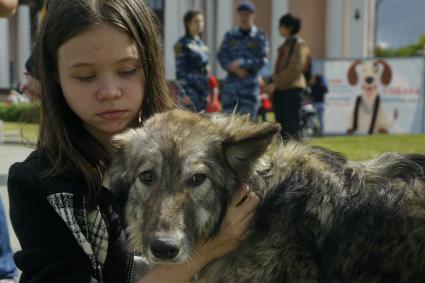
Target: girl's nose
109	89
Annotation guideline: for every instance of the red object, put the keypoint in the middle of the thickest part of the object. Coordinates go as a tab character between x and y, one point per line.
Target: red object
213	102
213	105
266	104
213	82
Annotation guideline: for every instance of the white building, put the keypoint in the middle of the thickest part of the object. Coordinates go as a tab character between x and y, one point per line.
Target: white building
15	47
332	29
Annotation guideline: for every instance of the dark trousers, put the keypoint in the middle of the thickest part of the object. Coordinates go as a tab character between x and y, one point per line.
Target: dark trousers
286	105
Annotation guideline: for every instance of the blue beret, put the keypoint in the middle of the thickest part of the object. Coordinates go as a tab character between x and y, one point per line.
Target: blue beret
246	6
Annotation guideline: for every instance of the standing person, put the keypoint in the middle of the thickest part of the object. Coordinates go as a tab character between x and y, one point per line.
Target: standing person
32	86
288	81
101	72
243	52
7	266
192	58
318	90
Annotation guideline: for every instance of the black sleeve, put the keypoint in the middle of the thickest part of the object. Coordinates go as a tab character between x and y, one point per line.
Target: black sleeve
49	251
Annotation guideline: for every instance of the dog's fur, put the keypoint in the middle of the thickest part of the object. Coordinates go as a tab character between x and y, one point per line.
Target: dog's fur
322	218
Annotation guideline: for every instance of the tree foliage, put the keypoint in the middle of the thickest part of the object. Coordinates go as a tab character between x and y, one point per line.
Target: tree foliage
404	51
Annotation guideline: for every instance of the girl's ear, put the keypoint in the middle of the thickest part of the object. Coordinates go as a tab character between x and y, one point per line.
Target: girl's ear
246	145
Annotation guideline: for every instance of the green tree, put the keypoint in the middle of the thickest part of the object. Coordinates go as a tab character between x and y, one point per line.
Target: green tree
404	51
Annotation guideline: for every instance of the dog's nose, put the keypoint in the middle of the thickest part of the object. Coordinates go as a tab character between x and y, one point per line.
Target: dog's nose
369	80
164	248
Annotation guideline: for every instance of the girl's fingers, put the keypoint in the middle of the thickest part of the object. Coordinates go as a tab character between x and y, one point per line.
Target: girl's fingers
236	214
239	196
246	224
249	204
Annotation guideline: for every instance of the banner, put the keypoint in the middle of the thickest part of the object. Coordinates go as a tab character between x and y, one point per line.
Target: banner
374	96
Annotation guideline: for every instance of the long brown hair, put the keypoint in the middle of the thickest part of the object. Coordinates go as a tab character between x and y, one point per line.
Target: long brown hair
71	150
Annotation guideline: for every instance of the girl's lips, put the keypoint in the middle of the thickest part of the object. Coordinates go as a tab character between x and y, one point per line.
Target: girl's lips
112	114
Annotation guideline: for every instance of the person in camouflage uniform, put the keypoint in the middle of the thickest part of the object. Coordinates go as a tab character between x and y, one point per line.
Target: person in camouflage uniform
192	58
243	53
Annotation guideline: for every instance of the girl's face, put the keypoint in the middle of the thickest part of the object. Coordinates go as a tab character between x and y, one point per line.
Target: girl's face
196	25
102	80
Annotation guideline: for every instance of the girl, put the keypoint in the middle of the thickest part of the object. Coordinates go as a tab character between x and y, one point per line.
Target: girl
101	72
192	62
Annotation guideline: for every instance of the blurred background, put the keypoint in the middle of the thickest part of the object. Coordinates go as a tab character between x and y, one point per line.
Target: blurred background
338	32
333	29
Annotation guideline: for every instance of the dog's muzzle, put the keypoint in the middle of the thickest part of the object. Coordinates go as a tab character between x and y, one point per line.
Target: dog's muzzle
164	248
369	80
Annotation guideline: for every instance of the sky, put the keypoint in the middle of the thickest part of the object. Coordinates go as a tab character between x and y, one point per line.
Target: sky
400	22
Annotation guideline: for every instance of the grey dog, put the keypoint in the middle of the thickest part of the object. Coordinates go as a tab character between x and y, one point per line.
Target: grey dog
322	218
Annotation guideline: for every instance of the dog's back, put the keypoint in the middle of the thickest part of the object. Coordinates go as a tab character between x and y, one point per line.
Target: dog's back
322	218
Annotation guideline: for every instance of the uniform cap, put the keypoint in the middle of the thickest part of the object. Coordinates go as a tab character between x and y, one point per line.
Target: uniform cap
246	6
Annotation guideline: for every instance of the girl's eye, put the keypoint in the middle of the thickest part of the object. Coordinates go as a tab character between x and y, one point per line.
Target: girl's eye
85	78
128	72
197	180
147	177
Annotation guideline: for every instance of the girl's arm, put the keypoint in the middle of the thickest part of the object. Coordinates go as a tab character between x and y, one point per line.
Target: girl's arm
232	231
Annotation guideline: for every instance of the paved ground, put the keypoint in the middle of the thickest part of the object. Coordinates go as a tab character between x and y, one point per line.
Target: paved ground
10	153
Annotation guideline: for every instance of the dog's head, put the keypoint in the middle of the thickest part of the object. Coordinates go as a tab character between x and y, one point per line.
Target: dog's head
370	74
178	172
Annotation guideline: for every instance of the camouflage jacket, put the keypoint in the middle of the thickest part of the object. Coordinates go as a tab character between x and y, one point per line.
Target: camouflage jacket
192	57
252	50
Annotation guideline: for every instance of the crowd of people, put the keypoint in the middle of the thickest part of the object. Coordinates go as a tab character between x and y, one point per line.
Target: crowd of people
243	53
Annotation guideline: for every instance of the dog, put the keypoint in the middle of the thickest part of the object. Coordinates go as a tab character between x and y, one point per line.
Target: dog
369	116
321	218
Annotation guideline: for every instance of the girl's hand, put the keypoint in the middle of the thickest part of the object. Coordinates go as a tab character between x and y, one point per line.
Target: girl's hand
233	229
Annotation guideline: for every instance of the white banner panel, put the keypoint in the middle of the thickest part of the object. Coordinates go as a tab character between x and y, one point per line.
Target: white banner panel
374	96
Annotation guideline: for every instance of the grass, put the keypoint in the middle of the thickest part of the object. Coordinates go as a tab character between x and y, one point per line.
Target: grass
18	132
366	147
354	147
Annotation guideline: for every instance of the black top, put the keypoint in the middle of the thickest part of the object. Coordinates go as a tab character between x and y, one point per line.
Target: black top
52	248
318	92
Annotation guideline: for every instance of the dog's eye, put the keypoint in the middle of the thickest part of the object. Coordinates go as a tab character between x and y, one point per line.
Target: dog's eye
147	177
197	180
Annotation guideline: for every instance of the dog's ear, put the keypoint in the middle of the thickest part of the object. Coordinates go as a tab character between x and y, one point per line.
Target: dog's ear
120	141
117	169
386	74
352	73
247	144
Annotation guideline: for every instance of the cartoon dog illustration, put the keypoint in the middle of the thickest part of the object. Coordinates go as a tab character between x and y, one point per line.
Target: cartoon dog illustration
369	115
